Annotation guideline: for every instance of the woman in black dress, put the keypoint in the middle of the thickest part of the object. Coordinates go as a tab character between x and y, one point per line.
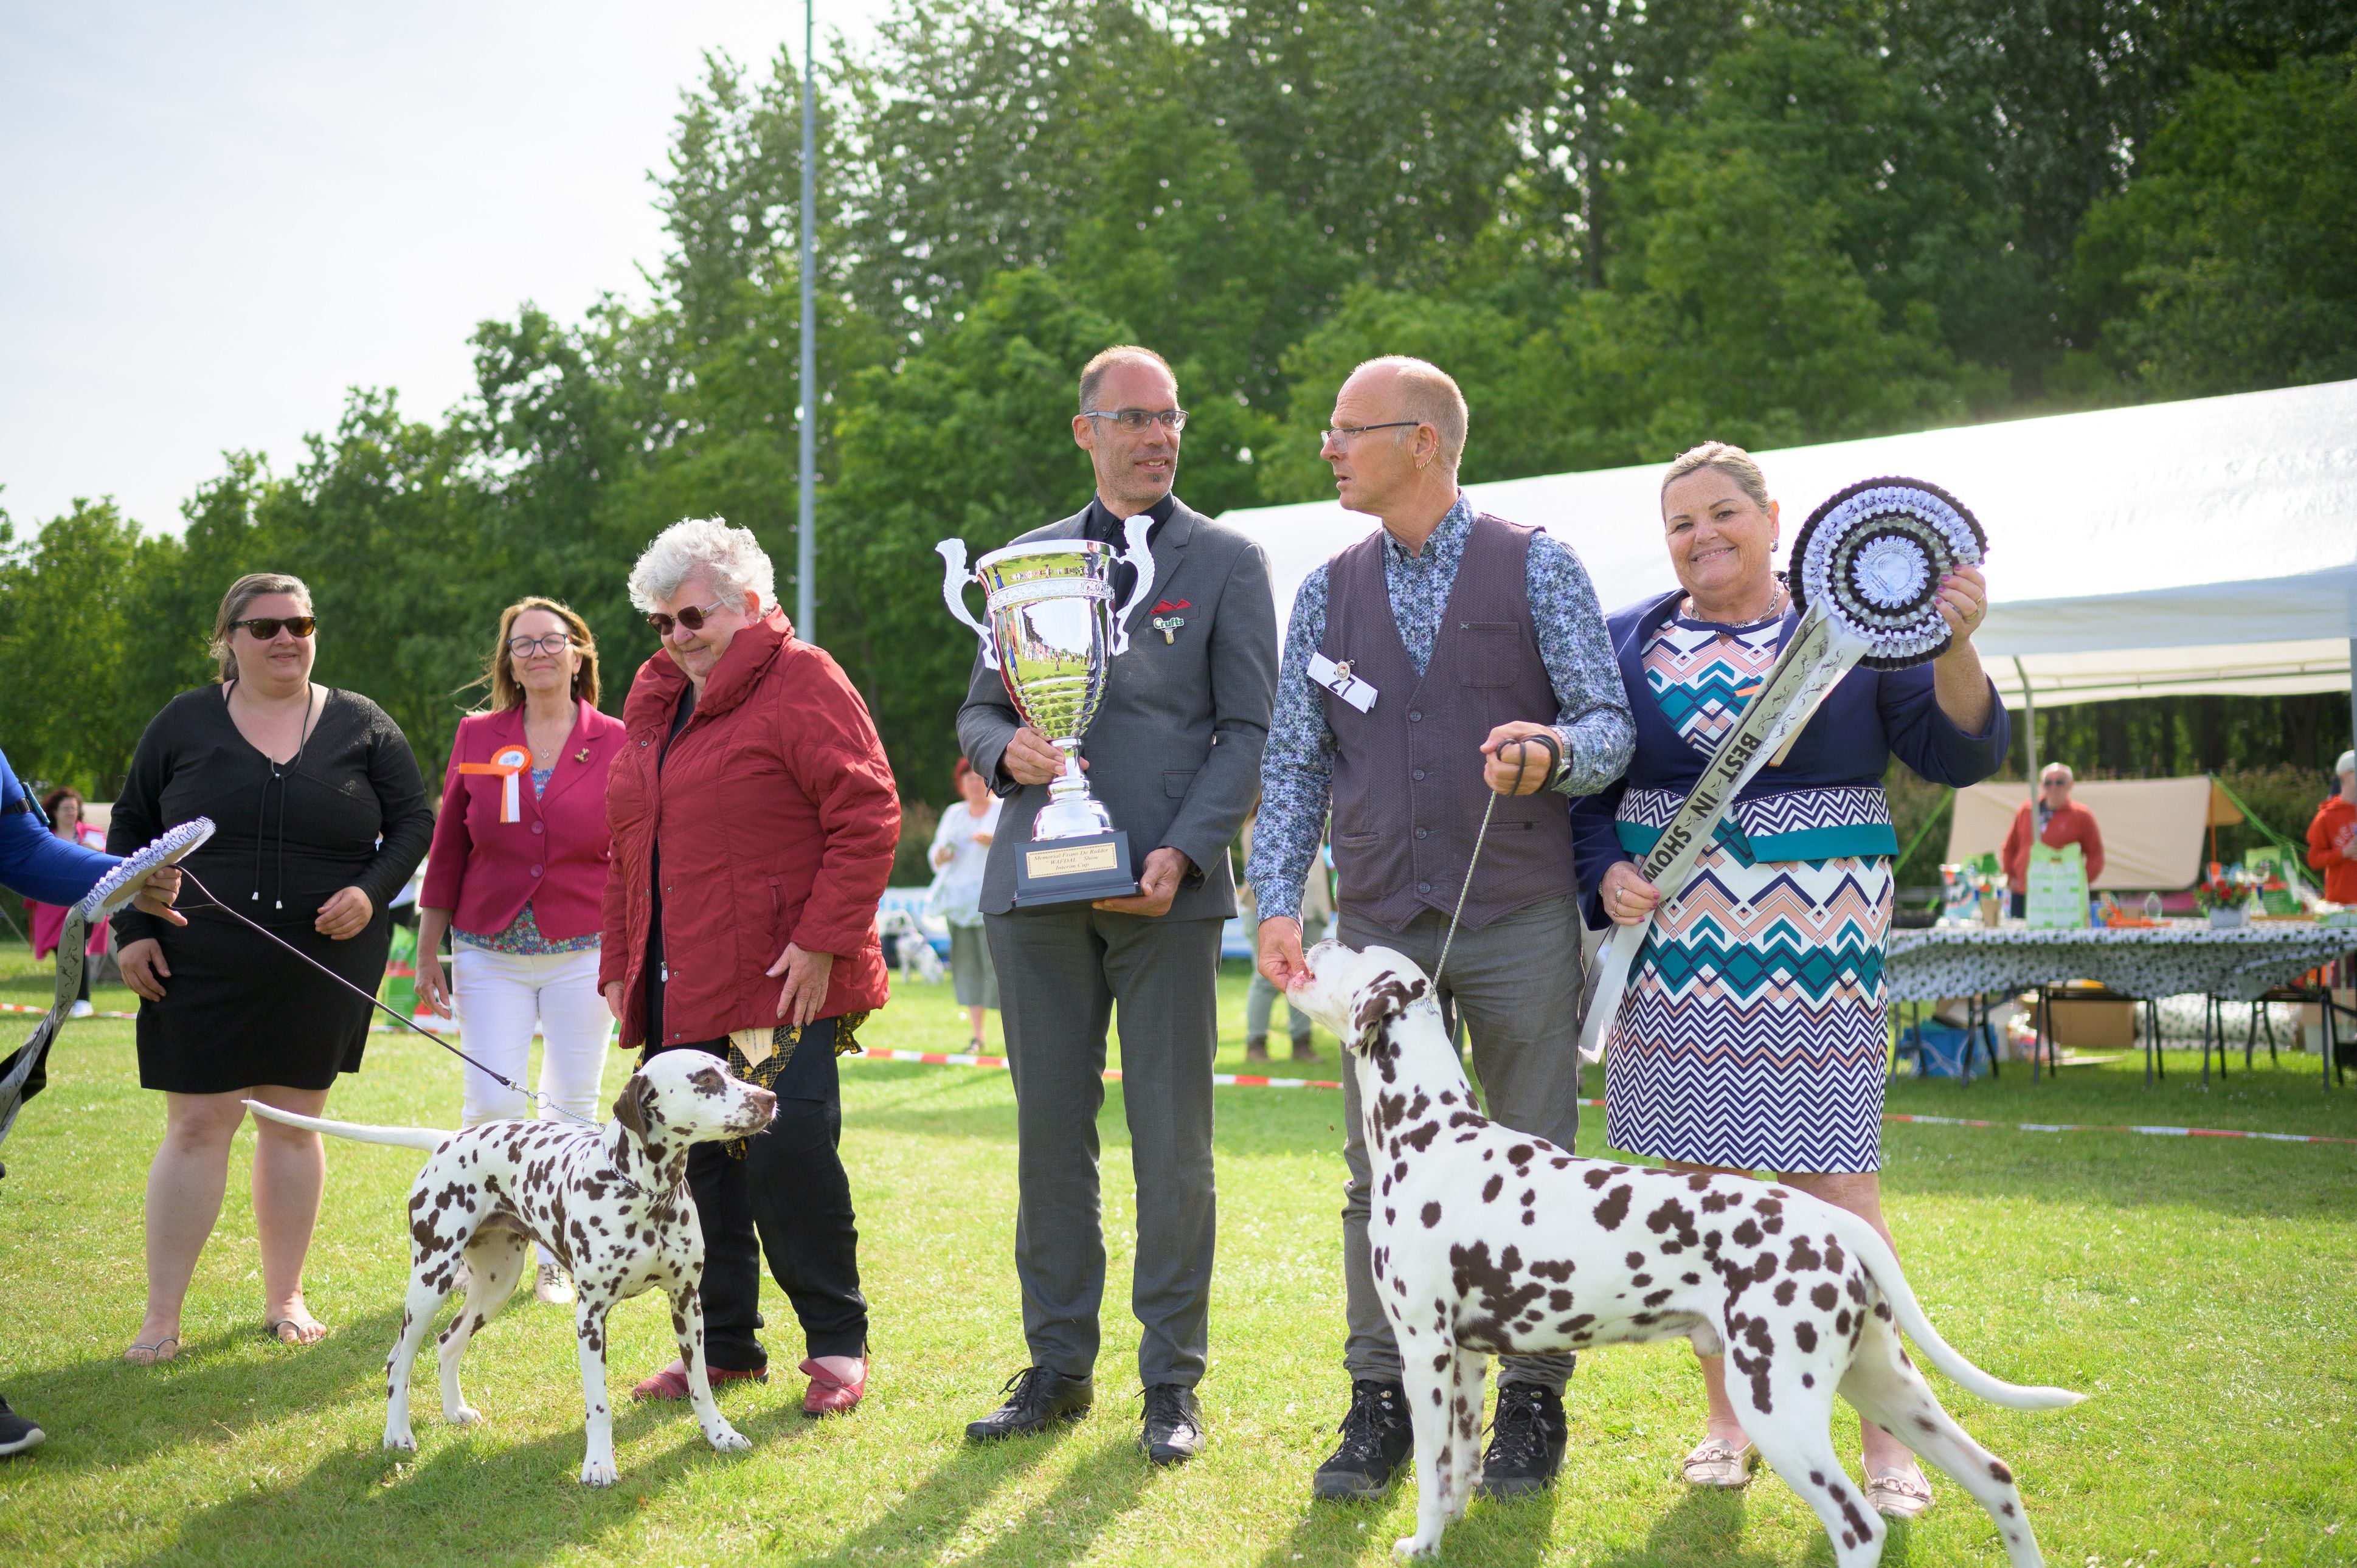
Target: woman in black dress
320	817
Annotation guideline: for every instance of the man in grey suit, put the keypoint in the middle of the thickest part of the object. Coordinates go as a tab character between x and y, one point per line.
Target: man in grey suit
1174	753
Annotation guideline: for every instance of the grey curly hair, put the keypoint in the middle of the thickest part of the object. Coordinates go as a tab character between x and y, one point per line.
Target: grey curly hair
730	559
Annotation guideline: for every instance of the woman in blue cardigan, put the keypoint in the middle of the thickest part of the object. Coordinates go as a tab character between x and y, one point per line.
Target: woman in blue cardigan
1751	1036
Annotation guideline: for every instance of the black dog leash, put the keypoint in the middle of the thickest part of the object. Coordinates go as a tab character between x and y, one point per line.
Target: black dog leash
542	1101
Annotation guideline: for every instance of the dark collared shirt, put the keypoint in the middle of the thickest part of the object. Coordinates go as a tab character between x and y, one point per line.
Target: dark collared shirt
1106	529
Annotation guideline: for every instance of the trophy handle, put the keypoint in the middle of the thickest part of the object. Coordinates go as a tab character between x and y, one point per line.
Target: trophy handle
1139	556
954	577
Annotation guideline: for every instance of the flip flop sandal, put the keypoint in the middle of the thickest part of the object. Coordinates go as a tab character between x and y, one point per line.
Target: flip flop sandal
154	1354
271	1328
1898	1494
1720	1465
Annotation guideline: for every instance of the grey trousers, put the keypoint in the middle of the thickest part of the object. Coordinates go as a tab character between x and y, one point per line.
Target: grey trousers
1060	971
1516	983
1260	1003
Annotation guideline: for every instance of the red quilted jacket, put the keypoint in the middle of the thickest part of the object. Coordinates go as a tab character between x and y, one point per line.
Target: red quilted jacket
778	817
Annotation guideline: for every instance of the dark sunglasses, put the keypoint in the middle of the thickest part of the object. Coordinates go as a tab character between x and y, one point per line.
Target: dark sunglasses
691	618
264	627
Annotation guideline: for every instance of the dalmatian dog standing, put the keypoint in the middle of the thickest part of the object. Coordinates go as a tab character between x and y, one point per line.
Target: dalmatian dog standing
612	1203
910	947
1487	1240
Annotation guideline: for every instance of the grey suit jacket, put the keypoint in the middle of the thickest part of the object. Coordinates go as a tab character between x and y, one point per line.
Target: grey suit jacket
1174	751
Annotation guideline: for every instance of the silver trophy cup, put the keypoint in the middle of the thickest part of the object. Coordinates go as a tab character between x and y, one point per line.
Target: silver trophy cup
1051	631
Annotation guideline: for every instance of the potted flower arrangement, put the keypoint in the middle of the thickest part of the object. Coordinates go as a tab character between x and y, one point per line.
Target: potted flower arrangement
2224	896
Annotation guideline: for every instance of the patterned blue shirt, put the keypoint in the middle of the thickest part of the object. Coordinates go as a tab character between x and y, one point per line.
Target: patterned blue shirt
1297	771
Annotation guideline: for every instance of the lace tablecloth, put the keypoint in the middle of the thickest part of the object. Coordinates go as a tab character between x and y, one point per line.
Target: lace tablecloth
2182	958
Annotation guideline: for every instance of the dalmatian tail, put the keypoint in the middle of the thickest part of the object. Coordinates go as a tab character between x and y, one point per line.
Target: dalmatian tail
1882	1264
400	1137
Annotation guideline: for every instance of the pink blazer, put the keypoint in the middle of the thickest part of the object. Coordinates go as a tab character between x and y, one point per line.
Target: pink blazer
554	855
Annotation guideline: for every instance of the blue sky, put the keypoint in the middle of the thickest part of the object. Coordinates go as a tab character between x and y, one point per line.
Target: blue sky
215	218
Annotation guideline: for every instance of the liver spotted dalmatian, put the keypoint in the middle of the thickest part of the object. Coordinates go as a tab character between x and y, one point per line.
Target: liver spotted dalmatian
1487	1241
611	1202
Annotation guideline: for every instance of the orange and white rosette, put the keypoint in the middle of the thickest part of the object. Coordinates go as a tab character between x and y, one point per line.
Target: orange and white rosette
507	765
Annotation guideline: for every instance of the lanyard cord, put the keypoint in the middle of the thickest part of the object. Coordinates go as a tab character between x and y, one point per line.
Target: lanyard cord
540	1100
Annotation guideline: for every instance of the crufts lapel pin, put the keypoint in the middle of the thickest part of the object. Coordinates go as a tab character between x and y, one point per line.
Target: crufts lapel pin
1168	624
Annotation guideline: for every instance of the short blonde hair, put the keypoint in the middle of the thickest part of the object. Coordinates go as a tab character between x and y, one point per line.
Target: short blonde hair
499	669
234	603
1429	395
1732	461
730	559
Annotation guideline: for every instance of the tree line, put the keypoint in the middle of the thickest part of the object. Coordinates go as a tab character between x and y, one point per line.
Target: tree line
1626	226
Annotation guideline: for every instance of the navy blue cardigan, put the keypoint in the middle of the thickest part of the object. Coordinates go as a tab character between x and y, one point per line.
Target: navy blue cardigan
1826	800
35	861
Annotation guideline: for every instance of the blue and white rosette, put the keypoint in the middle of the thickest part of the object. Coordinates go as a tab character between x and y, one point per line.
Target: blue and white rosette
121	886
1871	558
1864	575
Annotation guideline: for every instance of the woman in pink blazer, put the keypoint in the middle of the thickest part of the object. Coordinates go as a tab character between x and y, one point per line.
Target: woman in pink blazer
517	874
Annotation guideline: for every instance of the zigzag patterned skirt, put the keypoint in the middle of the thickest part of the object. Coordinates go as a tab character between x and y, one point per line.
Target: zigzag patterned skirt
1752	1034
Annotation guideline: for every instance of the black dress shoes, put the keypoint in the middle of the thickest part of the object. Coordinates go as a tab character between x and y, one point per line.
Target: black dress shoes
1174	1425
1526	1439
1377	1440
1036	1398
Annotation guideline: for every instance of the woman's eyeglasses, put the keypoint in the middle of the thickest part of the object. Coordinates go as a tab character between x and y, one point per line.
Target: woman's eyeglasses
691	618
264	627
555	643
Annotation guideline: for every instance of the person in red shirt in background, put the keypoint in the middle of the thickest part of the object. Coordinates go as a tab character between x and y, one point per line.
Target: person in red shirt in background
2056	821
2333	837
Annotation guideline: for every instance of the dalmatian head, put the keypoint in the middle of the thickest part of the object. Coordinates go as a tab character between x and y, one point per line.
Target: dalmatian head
1357	993
686	1097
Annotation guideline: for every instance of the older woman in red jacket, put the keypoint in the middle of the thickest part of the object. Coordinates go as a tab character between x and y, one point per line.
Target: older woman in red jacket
754	819
517	878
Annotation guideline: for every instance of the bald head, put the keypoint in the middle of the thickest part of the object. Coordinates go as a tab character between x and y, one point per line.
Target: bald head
1418	389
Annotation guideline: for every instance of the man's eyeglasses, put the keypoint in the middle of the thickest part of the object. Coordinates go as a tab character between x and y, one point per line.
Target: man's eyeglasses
691	618
264	627
1134	420
1343	434
555	642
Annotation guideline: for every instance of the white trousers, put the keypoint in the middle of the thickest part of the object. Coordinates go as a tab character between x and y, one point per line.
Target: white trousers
497	998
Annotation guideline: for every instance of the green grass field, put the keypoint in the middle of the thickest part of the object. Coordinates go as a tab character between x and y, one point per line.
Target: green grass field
2204	1292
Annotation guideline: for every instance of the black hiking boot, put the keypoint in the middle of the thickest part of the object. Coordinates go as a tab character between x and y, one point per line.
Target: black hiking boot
1526	1438
1377	1440
1036	1398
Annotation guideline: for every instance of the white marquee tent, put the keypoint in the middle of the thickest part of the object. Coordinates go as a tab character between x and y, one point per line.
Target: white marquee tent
2207	546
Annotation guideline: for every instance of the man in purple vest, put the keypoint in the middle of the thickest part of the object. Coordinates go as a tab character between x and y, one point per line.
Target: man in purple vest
1416	660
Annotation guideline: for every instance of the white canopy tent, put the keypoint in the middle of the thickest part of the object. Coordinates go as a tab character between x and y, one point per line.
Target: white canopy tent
2199	547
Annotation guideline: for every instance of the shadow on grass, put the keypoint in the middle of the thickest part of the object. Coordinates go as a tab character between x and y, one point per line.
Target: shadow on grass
466	1497
209	1389
1059	1529
1705	1528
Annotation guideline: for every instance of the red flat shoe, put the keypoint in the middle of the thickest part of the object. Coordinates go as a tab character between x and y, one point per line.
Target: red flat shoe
671	1383
829	1395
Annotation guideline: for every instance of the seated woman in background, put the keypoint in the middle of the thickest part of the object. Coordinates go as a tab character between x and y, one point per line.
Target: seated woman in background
517	876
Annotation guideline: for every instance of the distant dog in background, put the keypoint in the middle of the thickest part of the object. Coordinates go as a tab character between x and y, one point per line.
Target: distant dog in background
1488	1241
911	949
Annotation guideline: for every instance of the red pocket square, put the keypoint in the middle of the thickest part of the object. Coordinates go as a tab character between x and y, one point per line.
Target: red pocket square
1166	604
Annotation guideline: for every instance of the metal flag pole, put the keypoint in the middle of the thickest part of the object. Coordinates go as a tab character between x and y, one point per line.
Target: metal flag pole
806	543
